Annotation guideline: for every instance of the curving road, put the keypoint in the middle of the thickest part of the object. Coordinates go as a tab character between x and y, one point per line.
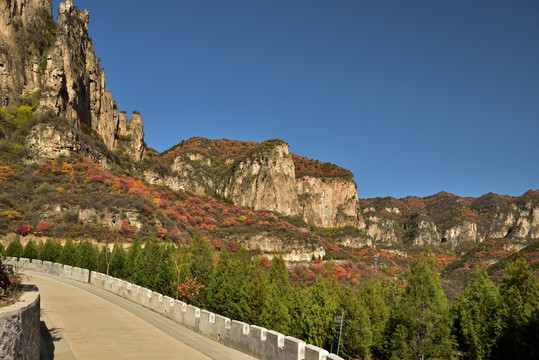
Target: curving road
81	322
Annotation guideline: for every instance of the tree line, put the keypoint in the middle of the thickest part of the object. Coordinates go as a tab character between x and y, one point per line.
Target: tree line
403	318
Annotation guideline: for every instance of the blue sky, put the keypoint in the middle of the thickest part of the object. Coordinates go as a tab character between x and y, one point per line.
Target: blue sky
414	97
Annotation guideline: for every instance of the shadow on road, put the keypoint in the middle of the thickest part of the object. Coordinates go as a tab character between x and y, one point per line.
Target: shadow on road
48	338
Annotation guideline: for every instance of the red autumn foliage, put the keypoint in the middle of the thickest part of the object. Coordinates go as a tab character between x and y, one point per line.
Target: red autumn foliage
24	229
43	227
128	230
162	233
6	173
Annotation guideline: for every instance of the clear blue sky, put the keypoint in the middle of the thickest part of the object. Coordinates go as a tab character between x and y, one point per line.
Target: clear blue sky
414	97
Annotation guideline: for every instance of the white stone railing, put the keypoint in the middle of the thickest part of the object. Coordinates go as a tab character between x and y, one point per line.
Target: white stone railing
250	339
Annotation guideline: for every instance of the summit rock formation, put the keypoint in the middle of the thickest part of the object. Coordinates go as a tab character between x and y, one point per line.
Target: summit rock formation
57	64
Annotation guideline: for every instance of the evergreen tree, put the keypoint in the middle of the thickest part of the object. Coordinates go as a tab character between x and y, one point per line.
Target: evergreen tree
420	326
320	310
146	264
377	310
475	313
2	249
180	260
201	265
280	296
50	251
132	254
519	313
87	255
117	261
68	255
237	286
275	315
164	278
30	250
15	248
357	337
217	296
256	296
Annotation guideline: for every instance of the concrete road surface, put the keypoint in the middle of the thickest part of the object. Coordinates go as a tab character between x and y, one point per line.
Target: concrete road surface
79	321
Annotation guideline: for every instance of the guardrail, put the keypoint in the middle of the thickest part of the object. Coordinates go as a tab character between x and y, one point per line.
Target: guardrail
250	339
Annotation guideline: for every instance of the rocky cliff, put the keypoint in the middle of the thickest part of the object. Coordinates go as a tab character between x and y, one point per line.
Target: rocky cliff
447	218
56	64
265	176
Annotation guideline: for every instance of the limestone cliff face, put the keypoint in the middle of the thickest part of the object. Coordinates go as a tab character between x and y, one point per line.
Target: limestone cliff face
264	181
465	232
329	201
263	176
23	39
59	61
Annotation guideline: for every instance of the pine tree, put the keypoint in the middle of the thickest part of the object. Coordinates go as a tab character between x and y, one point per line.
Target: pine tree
476	321
320	310
519	313
87	255
30	250
280	296
217	296
357	337
132	254
164	278
275	315
117	262
180	260
68	255
50	251
15	248
256	296
378	312
201	265
146	264
420	326
237	286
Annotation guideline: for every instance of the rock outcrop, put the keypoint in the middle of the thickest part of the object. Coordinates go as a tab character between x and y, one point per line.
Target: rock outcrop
262	176
58	62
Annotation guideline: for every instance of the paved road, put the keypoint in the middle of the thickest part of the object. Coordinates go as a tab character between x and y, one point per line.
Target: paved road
80	321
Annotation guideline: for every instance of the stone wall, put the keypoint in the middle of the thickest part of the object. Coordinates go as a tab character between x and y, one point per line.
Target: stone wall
20	335
250	339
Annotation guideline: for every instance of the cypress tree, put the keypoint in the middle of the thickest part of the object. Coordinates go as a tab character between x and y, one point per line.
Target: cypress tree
275	315
256	296
2	249
164	278
420	326
15	248
280	295
50	251
237	286
217	295
68	255
373	302
357	337
30	250
146	264
475	313
87	255
131	257
519	313
117	262
320	309
201	265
